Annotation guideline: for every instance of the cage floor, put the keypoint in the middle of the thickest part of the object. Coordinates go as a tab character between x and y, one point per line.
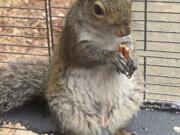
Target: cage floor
34	120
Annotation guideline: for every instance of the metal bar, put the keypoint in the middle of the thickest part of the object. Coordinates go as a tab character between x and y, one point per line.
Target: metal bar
159	51
163	76
47	25
21	17
163	94
156	41
159	21
145	44
21	8
163	85
21	27
51	24
154	1
136	30
66	8
171	42
156	12
145	25
158	31
144	77
20	36
140	40
163	66
9	62
159	57
21	45
156	21
32	54
153	65
134	20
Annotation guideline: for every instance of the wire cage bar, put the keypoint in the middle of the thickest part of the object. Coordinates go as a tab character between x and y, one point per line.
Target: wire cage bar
23	31
156	28
160	53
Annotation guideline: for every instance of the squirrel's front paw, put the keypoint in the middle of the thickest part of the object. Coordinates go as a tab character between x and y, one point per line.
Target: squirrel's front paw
123	65
132	66
120	63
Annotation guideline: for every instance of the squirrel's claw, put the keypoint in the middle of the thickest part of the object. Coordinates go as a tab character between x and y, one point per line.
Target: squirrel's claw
124	66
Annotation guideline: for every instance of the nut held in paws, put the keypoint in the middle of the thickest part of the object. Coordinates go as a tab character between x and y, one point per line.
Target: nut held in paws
124	50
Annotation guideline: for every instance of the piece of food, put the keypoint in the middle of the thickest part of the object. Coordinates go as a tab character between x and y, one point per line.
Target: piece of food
124	50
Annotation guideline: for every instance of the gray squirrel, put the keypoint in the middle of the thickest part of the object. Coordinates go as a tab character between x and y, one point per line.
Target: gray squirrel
89	86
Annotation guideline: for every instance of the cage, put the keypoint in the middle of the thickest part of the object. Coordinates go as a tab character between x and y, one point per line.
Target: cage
30	29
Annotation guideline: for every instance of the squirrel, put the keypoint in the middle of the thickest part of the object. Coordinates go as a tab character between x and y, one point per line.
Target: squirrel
89	86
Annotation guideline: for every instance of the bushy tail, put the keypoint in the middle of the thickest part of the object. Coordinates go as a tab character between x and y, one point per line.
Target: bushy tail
21	83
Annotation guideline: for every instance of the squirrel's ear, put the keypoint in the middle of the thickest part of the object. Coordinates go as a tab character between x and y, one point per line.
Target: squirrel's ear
130	2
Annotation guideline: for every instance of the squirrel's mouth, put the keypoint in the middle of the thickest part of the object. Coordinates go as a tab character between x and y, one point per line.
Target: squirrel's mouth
128	41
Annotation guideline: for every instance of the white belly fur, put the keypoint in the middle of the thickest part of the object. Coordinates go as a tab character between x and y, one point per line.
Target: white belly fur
109	88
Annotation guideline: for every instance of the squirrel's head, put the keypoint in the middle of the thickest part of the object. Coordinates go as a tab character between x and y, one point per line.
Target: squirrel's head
109	13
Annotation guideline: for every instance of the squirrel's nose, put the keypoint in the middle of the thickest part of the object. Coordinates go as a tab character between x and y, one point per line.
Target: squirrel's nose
123	31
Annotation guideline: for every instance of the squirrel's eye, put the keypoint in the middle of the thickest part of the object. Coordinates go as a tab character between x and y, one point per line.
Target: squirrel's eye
126	22
99	9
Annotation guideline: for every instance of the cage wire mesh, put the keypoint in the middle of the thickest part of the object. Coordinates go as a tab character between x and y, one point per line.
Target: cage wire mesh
29	29
158	46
